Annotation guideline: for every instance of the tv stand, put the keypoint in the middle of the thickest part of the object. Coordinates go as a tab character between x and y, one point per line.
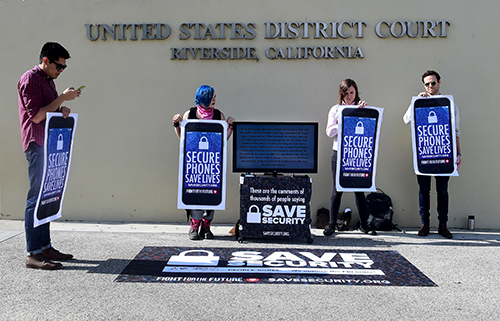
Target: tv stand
275	207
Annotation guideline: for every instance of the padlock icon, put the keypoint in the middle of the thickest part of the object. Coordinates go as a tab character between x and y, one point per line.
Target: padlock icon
254	216
60	142
360	130
432	119
194	260
203	144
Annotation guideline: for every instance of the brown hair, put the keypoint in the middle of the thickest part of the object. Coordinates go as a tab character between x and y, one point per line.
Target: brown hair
431	73
344	85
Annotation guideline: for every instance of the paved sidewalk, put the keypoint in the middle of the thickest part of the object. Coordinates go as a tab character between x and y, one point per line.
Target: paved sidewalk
464	268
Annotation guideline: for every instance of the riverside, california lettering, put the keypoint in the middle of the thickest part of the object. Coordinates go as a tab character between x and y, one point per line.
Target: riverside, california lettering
321	31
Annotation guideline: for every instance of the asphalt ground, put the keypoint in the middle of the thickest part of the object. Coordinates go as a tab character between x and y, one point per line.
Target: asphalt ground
466	270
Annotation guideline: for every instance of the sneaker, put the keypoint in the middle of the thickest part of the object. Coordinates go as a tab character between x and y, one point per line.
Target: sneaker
424	230
329	231
443	230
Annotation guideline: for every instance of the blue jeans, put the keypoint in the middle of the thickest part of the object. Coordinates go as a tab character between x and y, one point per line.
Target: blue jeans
424	183
336	198
37	238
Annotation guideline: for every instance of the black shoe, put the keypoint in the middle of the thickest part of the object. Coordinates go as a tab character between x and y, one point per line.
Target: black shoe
424	230
206	234
367	230
443	231
329	231
53	254
38	261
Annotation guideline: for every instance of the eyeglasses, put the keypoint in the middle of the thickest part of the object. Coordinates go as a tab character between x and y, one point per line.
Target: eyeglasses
59	66
427	84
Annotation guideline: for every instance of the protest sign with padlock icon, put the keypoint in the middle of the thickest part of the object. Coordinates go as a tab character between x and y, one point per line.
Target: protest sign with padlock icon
203	144
254	216
60	142
360	130
432	119
194	260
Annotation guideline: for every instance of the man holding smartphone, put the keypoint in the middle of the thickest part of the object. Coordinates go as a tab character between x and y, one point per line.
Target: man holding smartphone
432	82
37	96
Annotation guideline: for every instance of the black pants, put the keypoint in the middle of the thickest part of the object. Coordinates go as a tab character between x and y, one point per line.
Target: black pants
336	198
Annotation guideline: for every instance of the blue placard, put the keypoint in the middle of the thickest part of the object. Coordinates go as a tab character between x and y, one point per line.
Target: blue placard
202	165
433	133
358	139
203	160
58	149
358	144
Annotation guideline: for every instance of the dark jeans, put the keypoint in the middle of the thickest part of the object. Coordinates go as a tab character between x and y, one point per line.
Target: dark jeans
336	198
424	183
37	239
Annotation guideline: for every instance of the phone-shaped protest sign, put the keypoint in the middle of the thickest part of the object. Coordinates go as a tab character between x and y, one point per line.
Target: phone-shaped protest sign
433	133
58	145
358	145
202	172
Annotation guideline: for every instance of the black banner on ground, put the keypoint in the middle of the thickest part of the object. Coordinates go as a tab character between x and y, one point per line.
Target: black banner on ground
277	266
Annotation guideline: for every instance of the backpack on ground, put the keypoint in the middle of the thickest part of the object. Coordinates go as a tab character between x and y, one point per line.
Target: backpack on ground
344	220
380	213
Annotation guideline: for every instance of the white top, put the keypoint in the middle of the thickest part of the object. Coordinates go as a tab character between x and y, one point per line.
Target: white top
332	126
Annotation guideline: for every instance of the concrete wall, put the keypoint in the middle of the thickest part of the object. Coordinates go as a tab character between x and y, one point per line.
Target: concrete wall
125	155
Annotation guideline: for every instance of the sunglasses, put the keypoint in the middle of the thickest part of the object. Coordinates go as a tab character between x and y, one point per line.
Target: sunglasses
427	84
58	66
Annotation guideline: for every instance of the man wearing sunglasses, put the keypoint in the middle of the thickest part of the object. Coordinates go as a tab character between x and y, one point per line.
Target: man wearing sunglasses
37	95
432	81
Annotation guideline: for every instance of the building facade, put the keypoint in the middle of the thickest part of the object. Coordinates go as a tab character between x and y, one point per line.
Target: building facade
142	61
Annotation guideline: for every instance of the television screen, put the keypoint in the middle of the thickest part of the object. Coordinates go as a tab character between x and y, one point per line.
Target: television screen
274	147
